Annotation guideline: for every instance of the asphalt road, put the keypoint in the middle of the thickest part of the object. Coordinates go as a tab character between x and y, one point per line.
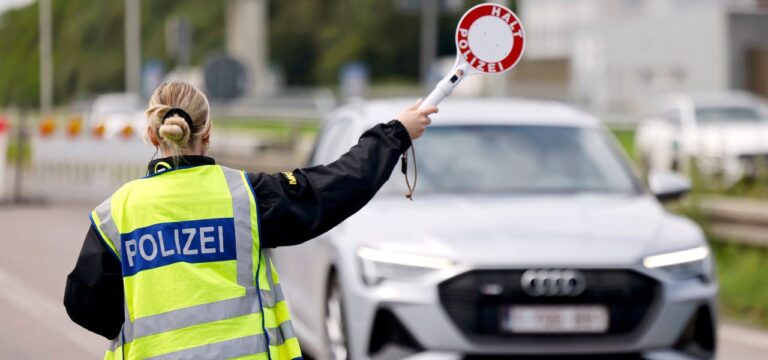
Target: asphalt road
38	248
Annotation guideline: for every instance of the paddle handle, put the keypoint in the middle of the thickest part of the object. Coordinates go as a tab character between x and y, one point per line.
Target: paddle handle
443	89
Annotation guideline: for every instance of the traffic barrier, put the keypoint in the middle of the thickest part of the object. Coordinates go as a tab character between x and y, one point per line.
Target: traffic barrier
4	135
74	127
85	169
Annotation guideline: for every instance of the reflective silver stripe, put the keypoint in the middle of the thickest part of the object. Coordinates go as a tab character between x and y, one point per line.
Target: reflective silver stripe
241	209
221	350
107	224
248	345
268	264
199	314
114	344
278	335
275	295
285	331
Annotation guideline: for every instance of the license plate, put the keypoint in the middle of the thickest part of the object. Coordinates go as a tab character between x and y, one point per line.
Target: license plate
555	319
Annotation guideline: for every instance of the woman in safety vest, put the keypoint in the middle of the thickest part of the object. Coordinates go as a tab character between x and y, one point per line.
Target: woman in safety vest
172	266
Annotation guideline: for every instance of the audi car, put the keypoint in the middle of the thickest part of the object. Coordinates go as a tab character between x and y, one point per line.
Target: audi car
529	234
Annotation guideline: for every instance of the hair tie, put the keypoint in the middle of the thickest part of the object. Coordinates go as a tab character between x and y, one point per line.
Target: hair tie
179	112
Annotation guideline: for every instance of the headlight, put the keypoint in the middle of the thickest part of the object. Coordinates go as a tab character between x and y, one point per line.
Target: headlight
683	264
378	265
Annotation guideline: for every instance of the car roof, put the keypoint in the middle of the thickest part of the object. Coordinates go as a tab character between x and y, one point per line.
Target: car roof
478	111
717	98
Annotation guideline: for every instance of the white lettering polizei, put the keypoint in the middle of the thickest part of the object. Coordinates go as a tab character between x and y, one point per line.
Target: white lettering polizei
176	239
191	235
163	252
182	244
221	239
130	250
206	239
143	240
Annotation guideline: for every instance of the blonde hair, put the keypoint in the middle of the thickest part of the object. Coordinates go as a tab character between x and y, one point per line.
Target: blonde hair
175	133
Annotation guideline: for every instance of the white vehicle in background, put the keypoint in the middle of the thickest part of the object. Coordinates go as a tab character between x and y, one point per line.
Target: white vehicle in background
117	114
726	134
529	235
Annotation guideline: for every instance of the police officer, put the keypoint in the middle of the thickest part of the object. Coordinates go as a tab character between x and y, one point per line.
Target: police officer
173	265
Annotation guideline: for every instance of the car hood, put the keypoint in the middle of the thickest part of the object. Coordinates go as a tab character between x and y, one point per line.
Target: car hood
522	230
734	138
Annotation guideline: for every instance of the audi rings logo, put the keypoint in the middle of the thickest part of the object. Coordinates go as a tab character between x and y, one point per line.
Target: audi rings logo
553	282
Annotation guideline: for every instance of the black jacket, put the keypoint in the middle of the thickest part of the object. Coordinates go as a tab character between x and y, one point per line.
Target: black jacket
294	207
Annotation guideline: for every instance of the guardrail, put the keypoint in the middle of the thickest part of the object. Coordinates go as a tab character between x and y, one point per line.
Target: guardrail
737	220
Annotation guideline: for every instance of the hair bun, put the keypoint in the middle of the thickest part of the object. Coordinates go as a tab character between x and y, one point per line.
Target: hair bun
176	130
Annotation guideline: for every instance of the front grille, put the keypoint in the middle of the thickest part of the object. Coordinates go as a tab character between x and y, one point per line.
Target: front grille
627	295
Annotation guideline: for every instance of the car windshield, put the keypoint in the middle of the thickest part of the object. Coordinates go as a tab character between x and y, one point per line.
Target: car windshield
517	159
717	114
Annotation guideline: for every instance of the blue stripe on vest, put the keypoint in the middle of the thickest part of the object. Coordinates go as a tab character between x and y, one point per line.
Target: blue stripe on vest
185	241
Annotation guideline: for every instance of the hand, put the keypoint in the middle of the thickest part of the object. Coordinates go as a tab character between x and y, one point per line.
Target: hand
415	120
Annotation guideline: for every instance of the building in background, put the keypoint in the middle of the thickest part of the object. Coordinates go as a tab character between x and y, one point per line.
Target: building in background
614	56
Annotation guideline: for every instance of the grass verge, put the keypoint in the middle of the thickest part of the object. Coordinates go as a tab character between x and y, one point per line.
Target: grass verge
627	140
743	282
267	126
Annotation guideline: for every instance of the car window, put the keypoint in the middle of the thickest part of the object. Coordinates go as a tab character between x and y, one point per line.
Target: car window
324	143
333	141
717	114
527	159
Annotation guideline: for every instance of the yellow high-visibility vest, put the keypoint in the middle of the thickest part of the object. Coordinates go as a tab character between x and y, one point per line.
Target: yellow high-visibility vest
197	283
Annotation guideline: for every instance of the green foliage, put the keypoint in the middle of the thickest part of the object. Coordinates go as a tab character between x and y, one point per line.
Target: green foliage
309	41
266	126
743	282
19	57
627	140
88	45
312	39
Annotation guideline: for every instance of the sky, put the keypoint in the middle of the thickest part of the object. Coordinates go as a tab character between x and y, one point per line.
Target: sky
10	4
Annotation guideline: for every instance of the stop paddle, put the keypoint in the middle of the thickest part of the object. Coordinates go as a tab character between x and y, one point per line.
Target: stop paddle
489	40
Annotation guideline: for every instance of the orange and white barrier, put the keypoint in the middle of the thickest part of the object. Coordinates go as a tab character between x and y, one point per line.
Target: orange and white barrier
4	135
75	163
85	169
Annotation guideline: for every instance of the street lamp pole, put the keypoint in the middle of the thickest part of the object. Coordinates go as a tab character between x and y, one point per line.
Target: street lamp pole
429	12
46	58
132	45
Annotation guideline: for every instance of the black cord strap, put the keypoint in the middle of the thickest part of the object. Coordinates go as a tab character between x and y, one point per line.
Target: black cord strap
404	169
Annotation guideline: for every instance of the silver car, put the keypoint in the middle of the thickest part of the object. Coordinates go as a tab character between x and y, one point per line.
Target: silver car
529	235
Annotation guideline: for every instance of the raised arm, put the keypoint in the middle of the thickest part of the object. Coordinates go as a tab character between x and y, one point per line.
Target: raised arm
301	205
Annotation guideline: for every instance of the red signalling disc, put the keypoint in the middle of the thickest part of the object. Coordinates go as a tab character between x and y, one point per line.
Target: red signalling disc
490	38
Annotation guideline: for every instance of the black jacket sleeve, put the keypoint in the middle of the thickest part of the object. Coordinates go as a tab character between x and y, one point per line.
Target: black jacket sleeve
298	206
93	295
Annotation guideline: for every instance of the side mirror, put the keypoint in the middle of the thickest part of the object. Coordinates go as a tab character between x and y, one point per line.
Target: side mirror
666	185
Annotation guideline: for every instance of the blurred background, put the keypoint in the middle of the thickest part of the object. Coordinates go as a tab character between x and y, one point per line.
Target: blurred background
679	83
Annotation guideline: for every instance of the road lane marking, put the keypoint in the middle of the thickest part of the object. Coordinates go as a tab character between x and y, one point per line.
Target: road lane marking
47	312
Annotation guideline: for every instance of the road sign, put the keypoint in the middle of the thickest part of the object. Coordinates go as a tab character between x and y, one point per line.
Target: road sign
489	39
225	78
